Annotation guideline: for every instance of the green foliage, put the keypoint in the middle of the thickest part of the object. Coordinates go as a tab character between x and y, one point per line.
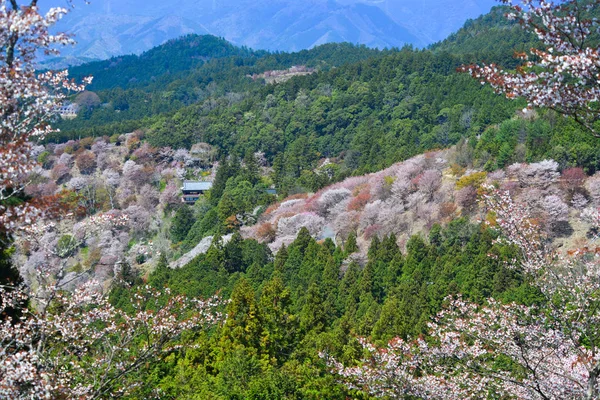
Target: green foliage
375	108
475	179
479	40
8	272
66	246
351	245
367	113
308	299
181	224
205	225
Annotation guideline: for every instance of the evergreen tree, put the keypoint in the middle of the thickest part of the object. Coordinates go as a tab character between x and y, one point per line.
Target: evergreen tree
329	287
312	316
302	239
8	273
244	321
351	245
251	172
280	260
215	255
224	172
374	248
388	249
349	292
279	323
233	257
182	223
389	323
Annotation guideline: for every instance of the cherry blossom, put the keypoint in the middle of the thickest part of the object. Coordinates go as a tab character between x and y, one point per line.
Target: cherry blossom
547	351
28	99
563	76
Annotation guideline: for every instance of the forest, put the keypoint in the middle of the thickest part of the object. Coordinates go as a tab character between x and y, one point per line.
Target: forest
397	224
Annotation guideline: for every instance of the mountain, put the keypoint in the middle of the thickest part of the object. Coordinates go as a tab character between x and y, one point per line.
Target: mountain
100	36
106	28
281	25
176	55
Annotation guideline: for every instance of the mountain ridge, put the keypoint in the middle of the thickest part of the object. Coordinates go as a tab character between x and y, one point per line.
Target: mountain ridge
105	29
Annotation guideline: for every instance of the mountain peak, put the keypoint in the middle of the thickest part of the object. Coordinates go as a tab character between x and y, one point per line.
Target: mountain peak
107	28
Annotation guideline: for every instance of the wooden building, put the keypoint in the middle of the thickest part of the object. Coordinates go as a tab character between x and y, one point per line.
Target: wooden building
192	190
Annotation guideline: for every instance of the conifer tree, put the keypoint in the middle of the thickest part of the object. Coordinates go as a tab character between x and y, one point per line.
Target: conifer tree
351	245
244	320
329	286
349	292
182	223
279	323
374	248
312	316
251	172
280	260
234	258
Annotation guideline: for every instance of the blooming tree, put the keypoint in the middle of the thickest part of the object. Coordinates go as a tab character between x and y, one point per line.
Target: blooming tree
547	351
563	76
428	182
27	99
63	344
87	349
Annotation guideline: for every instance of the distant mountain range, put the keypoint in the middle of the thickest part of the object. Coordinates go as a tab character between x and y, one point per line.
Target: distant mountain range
107	27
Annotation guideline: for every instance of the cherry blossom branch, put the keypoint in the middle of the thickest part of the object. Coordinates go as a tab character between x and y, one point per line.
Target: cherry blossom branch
565	75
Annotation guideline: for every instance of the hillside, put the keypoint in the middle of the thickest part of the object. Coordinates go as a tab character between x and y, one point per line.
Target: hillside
187	71
363	108
183	54
409	198
339	223
478	40
405	102
372	255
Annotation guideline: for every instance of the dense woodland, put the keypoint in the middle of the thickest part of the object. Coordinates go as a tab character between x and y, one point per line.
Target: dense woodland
287	308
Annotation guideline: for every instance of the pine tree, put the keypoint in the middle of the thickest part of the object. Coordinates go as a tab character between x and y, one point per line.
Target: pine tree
329	283
388	249
215	256
302	240
349	292
251	172
280	259
351	245
374	248
224	172
312	316
244	321
389	322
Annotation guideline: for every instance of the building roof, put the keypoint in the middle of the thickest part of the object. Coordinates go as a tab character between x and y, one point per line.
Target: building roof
196	186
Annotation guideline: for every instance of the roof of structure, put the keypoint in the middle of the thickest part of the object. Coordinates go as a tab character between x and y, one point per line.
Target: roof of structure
196	186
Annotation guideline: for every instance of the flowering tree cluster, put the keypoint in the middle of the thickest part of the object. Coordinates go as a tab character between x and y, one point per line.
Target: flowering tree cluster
79	346
57	343
27	100
546	351
565	75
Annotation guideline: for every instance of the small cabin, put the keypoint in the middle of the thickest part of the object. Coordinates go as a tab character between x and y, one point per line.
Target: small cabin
192	190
